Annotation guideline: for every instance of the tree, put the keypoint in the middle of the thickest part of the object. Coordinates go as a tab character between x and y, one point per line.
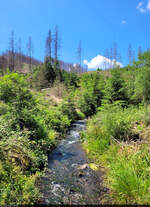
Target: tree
91	95
142	85
115	87
111	56
12	52
115	52
143	59
139	51
50	73
30	52
56	40
130	53
79	55
107	56
48	46
57	71
19	54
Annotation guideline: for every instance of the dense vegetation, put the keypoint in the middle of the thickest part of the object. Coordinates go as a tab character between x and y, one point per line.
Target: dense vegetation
36	110
30	126
117	136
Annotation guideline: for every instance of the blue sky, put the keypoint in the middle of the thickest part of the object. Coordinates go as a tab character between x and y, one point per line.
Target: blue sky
97	23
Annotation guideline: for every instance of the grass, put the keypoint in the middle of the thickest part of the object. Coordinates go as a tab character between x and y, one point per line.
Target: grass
115	139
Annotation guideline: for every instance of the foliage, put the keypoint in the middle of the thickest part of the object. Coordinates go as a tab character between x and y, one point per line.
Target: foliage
68	108
70	79
29	127
142	85
114	89
143	60
45	75
91	93
111	141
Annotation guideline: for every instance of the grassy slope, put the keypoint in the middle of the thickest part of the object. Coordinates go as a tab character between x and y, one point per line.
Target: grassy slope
119	140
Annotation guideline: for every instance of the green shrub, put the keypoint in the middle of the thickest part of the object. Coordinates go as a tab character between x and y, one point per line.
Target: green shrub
4	108
17	186
68	108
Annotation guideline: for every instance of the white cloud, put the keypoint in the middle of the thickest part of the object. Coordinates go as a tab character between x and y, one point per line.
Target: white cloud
148	5
143	8
123	22
85	62
101	62
140	4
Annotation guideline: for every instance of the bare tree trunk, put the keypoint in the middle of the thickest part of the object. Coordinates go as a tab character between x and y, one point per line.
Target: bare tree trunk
79	56
108	57
115	54
19	51
130	53
12	52
30	52
139	51
111	57
48	46
56	40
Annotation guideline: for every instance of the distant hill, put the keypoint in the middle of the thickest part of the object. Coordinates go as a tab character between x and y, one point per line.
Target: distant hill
22	62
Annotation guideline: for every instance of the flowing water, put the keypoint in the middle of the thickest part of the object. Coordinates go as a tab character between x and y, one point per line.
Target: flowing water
69	179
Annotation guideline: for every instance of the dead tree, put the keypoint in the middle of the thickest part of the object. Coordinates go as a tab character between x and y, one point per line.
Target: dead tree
48	46
19	54
111	57
30	52
107	56
115	54
79	56
11	52
3	62
56	40
130	53
133	55
139	51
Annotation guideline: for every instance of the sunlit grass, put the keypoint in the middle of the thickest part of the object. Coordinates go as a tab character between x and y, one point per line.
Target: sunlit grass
110	140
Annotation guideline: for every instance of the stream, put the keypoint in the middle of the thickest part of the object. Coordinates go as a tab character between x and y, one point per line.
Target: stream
69	179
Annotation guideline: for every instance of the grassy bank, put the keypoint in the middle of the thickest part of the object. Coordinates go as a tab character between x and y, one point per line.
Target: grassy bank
118	139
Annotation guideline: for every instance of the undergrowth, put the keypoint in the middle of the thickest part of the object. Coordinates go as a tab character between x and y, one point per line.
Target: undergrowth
113	140
30	126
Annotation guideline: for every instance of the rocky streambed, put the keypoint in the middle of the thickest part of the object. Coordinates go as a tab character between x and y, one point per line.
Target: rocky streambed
69	179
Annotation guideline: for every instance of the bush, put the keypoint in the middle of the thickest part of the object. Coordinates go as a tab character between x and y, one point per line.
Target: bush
16	183
28	129
68	108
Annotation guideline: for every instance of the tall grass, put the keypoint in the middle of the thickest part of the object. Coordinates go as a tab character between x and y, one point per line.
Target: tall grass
111	140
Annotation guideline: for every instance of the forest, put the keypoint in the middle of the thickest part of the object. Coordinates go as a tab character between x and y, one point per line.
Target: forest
38	107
